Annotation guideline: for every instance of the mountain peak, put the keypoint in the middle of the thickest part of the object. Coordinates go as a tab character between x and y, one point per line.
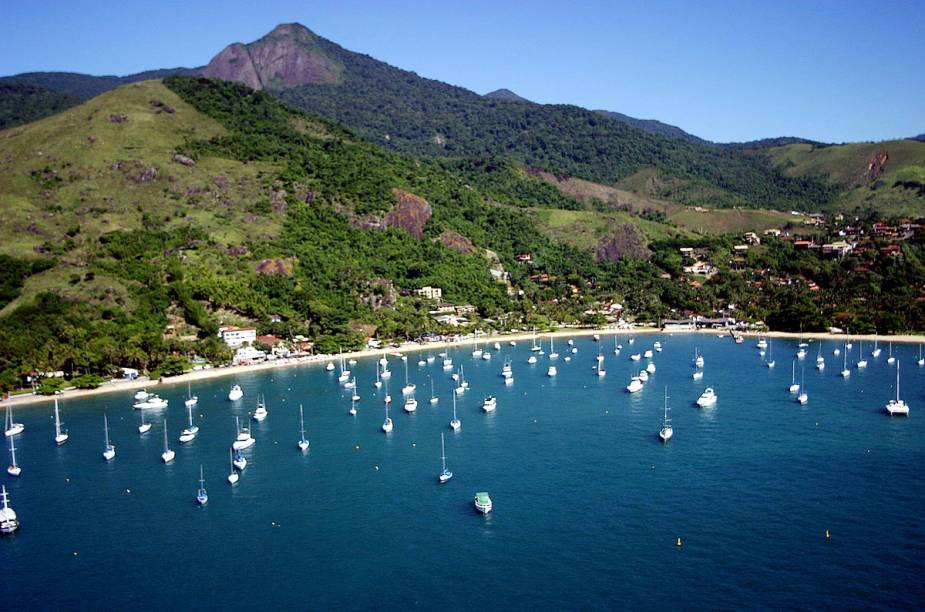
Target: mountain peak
505	94
288	56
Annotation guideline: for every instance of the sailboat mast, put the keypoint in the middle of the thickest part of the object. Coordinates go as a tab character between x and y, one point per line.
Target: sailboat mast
57	419
442	452
897	382
106	429
166	447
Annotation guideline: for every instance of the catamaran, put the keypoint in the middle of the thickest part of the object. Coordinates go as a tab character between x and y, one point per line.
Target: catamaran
202	498
455	423
13	469
897	406
666	431
303	442
233	475
9	522
109	451
60	436
168	454
12	429
445	474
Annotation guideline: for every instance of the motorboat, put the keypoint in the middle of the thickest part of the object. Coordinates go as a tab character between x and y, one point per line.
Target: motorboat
235	394
707	398
489	404
635	385
482	502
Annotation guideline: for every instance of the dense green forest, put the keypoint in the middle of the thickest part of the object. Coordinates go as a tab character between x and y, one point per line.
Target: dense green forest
20	103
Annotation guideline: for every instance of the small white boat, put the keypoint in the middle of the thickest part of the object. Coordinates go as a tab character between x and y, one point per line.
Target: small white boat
531	359
144	427
445	474
386	374
512	343
891	359
836	351
574	350
260	412
509	380
189	433
648	354
243	439
13	469
551	371
486	356
667	430
707	398
387	423
643	376
803	396
596	337
142	395
794	387
801	354
897	406
233	475
9	522
490	404
650	368
497	346
378	383
862	363
476	352
60	436
153	402
698	358
303	441
109	451
422	362
845	373
571	342
762	343
535	348
631	341
191	400
168	454
455	423
447	364
658	347
433	396
635	357
411	404
600	369
239	462
352	362
697	375
482	502
552	349
202	498
235	394
353	407
921	360
329	367
876	352
635	385
431	358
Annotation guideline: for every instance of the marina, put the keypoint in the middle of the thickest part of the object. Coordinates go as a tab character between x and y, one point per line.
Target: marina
748	479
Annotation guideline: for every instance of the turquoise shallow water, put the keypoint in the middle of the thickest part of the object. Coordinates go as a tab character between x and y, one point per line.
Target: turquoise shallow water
588	503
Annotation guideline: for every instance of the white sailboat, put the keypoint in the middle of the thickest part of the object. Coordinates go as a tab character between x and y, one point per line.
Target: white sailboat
698	358
344	371
303	441
243	439
353	407
430	357
202	498
12	429
447	362
891	359
329	367
667	430
616	347
191	400
697	375
60	436
845	372
189	433
601	370
411	404
168	454
770	363
820	360
794	387
387	423
355	397
386	373
433	396
552	350
803	397
476	352
535	348
409	387
378	382
897	406
921	360
531	359
240	461
876	352
109	451
455	423
445	474
144	427
13	469
9	522
862	363
233	475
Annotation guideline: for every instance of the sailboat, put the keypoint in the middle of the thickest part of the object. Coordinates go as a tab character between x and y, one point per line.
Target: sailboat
535	348
552	350
770	363
820	360
666	431
243	439
616	347
191	400
876	352
447	362
233	475
891	359
921	360
433	397
409	387
387	423
455	423
189	433
698	358
601	370
386	373
803	397
168	454
109	451
445	474
411	404
476	352
12	429
353	406
303	442
344	371
13	469
897	406
430	357
862	363
378	382
202	498
845	372
9	522
355	397
794	387
144	427
240	461
60	436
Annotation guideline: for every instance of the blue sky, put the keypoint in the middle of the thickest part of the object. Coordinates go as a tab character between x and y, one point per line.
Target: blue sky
832	70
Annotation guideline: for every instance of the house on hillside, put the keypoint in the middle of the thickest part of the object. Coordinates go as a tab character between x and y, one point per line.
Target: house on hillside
839	248
235	337
752	238
700	268
430	293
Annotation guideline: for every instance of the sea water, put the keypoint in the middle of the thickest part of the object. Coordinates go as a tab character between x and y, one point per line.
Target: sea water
588	503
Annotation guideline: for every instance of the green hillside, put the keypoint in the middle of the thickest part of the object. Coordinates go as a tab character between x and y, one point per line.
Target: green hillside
899	190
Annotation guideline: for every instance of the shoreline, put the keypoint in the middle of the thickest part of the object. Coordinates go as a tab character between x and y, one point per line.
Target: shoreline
413	347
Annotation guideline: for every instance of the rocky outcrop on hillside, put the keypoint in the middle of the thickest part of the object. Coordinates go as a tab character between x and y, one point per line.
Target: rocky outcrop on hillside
457	242
624	243
274	267
286	57
411	212
876	165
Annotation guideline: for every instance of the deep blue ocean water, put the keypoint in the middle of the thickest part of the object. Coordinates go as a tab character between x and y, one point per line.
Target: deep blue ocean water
588	504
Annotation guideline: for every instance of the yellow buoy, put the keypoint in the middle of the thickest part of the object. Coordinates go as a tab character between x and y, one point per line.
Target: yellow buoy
680	543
